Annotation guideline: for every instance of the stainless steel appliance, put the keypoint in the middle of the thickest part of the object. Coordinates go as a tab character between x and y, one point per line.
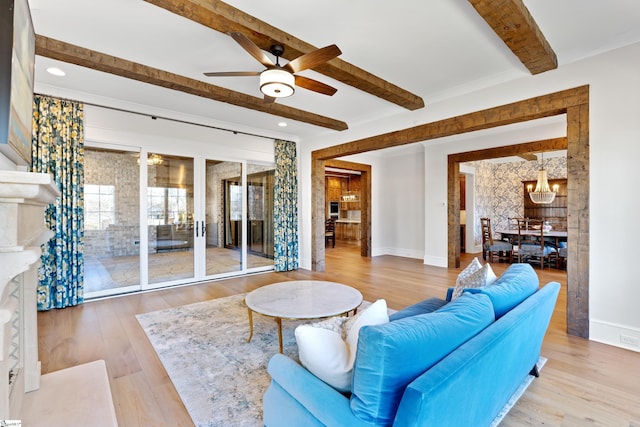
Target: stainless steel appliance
334	209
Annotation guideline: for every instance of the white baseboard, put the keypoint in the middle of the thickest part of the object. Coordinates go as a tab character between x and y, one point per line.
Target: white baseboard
401	252
436	261
614	334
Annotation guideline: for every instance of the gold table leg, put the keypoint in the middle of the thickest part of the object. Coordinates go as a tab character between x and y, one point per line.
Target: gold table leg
279	322
250	325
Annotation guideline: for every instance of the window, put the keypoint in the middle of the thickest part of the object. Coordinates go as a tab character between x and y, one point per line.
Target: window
235	202
166	205
99	206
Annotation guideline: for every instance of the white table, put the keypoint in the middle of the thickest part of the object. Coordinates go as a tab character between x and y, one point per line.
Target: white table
559	236
301	299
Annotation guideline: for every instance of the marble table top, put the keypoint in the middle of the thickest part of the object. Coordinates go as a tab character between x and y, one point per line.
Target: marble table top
303	299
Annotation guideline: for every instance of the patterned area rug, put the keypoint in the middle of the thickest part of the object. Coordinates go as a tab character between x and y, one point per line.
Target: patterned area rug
219	376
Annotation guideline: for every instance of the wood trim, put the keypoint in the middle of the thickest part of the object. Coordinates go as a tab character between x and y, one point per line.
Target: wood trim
549	105
552	144
573	102
318	204
224	18
83	57
512	22
453	213
578	220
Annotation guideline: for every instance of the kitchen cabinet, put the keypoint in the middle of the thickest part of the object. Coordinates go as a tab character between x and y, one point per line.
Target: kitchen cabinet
348	230
350	200
333	187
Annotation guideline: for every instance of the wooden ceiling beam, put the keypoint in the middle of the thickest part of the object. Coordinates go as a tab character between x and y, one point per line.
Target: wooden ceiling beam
77	55
528	156
552	144
529	109
224	18
512	22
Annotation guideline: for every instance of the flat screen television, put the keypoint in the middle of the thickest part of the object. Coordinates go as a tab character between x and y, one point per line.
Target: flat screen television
17	58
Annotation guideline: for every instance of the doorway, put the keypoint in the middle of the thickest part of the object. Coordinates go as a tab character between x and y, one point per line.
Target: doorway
574	103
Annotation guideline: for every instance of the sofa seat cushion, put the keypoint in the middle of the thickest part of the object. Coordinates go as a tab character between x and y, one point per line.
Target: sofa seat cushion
422	307
392	355
515	285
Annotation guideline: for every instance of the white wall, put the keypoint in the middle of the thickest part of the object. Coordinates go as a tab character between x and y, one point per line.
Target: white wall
400	218
614	149
105	126
614	139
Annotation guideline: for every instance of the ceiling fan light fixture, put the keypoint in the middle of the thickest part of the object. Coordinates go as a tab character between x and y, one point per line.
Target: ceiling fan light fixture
277	83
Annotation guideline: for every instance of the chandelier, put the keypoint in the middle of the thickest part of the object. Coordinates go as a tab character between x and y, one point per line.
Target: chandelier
153	159
542	194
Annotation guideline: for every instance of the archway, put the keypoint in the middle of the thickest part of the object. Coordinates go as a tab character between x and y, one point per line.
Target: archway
572	102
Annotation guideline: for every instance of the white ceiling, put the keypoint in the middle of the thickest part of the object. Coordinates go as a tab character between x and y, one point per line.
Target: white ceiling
435	49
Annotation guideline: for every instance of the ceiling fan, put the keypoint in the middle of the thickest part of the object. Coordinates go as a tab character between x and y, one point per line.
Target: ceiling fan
280	81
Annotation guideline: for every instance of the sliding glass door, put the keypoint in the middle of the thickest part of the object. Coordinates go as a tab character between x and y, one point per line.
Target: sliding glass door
112	221
170	210
223	207
195	219
235	203
260	217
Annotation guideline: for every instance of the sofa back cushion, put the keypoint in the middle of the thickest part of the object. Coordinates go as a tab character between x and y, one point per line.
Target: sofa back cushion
515	285
392	355
422	307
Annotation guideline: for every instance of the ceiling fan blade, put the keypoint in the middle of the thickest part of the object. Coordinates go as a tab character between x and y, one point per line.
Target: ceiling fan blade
312	59
315	85
252	48
269	99
233	74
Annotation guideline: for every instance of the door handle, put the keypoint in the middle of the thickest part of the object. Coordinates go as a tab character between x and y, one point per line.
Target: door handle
204	228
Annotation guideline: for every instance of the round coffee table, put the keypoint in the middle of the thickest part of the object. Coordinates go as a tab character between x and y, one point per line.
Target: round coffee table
301	299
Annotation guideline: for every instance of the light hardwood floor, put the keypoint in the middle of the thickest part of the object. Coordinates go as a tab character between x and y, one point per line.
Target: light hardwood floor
583	382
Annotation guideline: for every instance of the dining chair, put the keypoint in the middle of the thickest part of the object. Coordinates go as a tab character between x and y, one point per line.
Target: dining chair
491	247
562	255
330	232
532	246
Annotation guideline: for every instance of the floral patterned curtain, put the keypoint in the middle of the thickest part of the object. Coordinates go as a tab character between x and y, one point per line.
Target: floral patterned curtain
57	148
285	216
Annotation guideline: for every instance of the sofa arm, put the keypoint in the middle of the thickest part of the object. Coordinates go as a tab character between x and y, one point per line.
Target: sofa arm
327	405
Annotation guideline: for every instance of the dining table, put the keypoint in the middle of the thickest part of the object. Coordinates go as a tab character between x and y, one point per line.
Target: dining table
511	233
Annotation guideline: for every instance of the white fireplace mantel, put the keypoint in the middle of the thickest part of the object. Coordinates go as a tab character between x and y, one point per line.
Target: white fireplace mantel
23	199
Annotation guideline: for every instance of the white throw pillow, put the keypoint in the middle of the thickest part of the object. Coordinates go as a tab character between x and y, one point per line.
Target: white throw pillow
375	314
324	351
464	274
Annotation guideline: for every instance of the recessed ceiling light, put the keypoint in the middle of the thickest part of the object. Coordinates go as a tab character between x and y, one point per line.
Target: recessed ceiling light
56	71
282	124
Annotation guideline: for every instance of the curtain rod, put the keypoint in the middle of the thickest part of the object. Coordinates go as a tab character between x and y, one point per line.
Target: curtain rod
155	117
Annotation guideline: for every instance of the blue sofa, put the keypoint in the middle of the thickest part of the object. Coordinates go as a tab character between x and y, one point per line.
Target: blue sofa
436	363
